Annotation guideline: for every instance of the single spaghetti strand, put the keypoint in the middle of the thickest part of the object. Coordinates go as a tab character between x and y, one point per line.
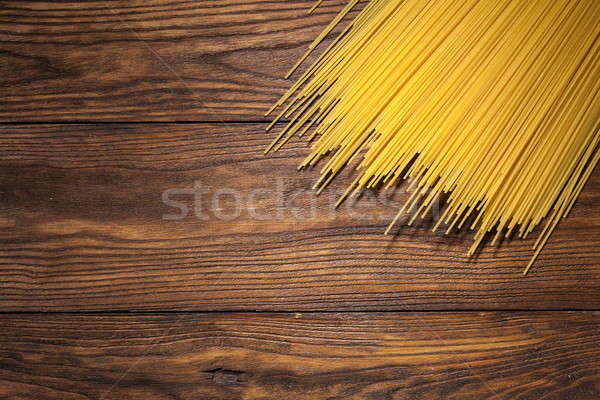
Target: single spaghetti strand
314	7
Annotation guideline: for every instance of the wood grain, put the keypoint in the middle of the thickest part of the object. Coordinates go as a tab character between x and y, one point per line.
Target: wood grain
84	228
150	60
318	356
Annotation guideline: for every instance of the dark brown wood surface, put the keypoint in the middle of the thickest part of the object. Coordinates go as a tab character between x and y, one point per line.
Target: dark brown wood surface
302	356
105	293
85	230
217	60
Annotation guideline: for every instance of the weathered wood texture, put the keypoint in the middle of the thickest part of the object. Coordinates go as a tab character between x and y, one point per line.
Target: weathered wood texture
150	60
304	356
84	228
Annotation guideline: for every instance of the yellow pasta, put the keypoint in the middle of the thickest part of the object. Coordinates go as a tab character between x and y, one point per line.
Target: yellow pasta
496	102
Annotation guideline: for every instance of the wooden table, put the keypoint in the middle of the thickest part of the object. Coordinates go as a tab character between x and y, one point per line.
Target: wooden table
115	115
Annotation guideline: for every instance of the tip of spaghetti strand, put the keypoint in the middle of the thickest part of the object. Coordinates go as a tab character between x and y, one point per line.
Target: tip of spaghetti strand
291	71
298	63
271	125
535	256
316	185
388	229
391	225
346	193
324	184
270	110
341	200
270	147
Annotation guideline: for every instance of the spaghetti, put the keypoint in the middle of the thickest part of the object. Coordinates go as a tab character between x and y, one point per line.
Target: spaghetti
496	102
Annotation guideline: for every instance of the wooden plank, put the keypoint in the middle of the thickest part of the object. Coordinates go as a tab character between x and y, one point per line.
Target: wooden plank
318	356
153	61
85	227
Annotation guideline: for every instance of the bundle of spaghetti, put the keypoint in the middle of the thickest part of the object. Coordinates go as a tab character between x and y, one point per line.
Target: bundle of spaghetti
495	102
